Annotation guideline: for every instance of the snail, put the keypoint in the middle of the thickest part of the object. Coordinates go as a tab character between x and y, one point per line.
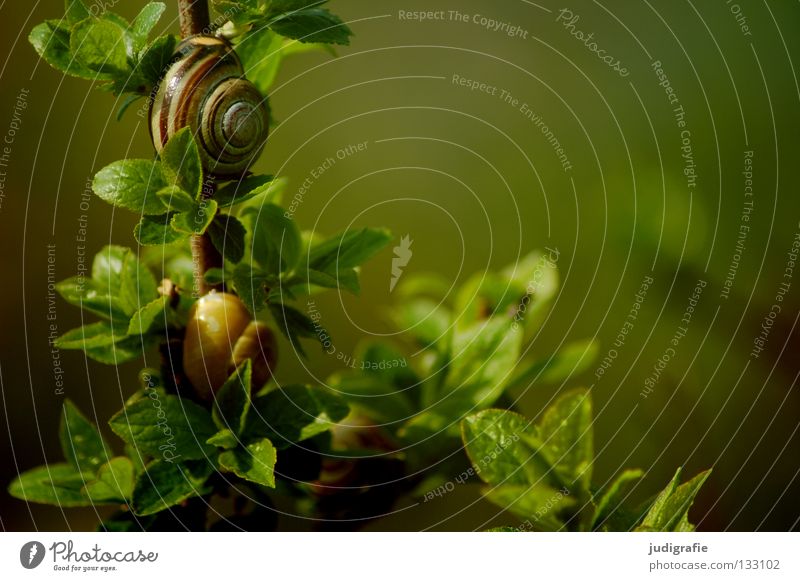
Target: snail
205	89
220	336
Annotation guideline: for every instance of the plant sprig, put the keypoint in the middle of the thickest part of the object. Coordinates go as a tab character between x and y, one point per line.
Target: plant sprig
173	445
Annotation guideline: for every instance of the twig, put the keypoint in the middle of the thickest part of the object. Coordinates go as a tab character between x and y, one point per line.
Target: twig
193	16
194	19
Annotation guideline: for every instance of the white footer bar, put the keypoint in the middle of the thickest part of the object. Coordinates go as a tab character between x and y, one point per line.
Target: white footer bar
401	556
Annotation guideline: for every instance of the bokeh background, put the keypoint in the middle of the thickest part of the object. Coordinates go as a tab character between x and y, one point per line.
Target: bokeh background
476	185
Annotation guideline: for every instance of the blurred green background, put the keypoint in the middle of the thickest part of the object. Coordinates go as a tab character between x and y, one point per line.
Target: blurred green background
476	185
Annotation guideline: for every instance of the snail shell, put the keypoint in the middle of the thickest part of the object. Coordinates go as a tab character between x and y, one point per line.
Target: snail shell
205	89
220	336
257	343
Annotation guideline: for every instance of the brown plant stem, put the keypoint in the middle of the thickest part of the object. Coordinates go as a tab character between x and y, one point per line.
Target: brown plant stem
204	254
193	16
194	19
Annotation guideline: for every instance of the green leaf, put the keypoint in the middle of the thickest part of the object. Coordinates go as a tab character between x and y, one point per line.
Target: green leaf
129	82
232	402
146	318
120	352
100	44
425	320
164	484
670	510
294	413
522	292
252	286
227	235
313	25
438	423
156	58
540	504
181	165
165	426
276	239
58	484
537	273
271	194
571	360
126	103
432	285
157	230
214	276
255	463
373	395
89	336
306	281
243	190
613	497
51	40
85	293
175	260
348	249
118	274
323	279
136	458
137	285
535	283
197	221
242	12
224	439
144	22
513	456
294	324
75	11
132	184
278	7
262	52
346	279
385	361
114	482
483	358
486	295
119	286
107	268
175	199
115	18
565	433
81	443
493	441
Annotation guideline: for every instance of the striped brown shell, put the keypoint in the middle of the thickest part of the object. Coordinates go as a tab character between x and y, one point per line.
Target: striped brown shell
205	89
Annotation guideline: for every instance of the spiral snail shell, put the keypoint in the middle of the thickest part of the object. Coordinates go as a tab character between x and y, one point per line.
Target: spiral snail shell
205	89
220	335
